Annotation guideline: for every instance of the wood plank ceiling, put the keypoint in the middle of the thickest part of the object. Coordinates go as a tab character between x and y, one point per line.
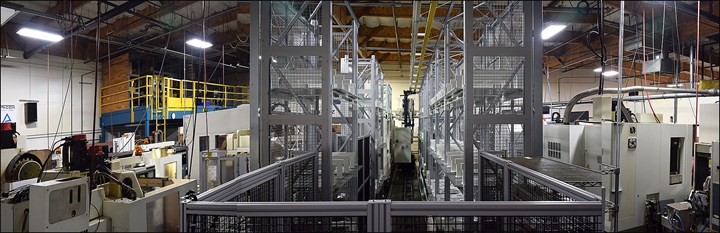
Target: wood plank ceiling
159	23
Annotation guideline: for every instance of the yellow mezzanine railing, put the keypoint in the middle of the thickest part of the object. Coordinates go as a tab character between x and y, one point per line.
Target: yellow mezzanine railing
161	96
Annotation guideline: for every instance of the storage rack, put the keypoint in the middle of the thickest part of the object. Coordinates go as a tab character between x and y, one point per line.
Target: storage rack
303	90
483	85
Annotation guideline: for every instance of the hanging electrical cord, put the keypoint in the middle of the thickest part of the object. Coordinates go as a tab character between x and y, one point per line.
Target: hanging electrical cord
190	158
112	128
603	49
167	42
97	63
697	55
205	86
647	95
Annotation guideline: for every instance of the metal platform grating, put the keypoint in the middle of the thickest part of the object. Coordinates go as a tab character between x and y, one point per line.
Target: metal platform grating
568	173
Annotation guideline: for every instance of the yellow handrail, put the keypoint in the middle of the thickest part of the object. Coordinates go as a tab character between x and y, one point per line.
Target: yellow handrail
156	92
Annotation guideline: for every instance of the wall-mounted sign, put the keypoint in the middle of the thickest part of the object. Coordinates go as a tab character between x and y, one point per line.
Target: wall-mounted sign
8	113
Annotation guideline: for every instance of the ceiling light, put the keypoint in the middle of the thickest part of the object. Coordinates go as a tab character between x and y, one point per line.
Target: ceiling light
551	30
198	43
421	34
598	70
418	54
610	73
32	33
657	56
675	85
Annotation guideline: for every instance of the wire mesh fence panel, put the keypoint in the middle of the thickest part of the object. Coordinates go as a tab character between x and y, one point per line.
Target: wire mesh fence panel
502	139
495	223
295	23
498	85
492	180
295	84
287	141
525	189
226	223
300	180
500	24
264	192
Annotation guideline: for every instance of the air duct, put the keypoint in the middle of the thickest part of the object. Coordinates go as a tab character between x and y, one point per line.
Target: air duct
594	91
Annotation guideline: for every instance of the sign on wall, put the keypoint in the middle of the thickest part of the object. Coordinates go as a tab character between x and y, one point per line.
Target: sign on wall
8	113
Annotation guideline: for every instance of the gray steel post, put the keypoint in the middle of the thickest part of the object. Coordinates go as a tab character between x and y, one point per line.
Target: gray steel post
373	119
379	216
255	85
447	187
618	124
354	126
326	94
533	88
468	104
506	182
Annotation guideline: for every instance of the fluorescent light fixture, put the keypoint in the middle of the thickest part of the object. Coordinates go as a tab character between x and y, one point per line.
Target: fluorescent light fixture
418	54
610	73
32	33
198	43
675	85
551	30
421	34
598	70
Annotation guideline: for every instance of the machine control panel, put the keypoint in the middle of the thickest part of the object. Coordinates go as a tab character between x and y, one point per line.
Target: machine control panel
59	205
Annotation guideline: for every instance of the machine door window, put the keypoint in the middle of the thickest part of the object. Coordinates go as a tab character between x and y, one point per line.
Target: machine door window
676	144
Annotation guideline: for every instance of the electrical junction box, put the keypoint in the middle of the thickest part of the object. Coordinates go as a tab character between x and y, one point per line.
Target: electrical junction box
59	205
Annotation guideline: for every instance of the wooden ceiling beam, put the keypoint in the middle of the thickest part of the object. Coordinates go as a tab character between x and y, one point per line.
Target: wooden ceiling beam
122	25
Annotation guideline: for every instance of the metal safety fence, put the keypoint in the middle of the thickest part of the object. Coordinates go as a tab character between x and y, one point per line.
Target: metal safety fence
386	216
258	202
293	179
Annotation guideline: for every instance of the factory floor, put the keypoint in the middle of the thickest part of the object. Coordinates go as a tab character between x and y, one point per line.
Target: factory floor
403	184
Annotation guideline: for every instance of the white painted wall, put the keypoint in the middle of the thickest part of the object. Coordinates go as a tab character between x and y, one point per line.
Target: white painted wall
47	82
581	79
